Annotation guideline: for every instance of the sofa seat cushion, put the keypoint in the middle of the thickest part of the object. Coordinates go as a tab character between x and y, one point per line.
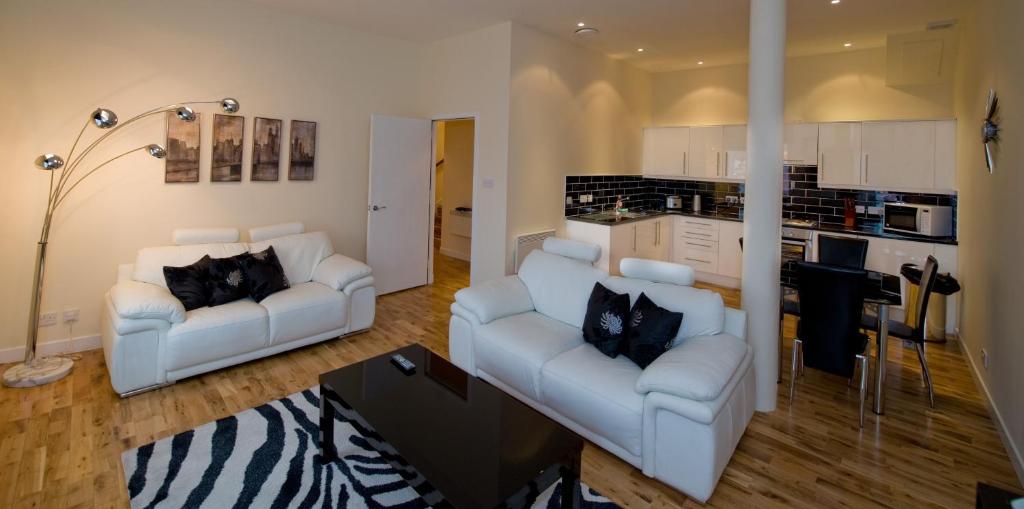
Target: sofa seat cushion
305	310
598	393
515	348
698	369
217	332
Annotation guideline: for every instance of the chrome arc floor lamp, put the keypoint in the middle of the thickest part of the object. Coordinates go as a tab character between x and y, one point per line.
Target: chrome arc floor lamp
64	178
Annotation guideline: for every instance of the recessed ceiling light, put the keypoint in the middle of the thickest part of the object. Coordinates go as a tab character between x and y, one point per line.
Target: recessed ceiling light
847	44
700	62
586	31
834	2
581	24
640	50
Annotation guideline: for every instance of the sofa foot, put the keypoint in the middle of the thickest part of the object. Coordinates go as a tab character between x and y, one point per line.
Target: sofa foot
145	389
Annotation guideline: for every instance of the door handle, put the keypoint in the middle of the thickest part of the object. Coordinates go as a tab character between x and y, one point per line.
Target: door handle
378	207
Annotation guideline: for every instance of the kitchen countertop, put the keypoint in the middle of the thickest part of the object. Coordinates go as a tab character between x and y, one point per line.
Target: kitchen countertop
731	214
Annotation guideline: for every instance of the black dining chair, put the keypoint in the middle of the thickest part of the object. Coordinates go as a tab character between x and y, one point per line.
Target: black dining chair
842	251
847	252
828	333
915	334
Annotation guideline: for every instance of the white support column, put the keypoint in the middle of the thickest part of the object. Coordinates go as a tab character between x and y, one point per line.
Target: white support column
762	227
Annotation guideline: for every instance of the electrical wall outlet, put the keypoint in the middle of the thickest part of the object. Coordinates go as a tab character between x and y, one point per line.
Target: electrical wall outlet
70	315
984	358
860	209
875	211
48	319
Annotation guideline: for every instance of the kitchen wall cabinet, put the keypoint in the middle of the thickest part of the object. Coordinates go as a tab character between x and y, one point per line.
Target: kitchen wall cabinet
898	155
911	156
665	151
839	154
734	151
705	157
800	144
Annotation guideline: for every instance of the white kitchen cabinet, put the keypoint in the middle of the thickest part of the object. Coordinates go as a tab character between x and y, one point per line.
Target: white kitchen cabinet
730	255
839	154
648	239
800	144
665	151
705	156
734	148
898	155
945	156
711	247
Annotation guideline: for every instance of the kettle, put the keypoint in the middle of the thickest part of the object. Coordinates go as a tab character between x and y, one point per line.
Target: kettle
673	202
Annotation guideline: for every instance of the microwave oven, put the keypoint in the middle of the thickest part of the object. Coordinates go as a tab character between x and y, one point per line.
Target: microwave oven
913	218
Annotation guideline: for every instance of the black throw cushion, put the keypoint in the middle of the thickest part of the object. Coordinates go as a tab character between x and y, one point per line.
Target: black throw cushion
651	331
227	281
264	274
606	320
188	283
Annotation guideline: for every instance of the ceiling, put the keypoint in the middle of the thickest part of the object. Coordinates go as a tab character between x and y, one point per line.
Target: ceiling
675	34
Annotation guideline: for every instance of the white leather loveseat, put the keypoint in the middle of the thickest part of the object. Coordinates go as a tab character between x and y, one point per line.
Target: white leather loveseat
149	340
678	420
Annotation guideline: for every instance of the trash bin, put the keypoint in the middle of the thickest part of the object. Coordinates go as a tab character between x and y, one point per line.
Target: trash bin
945	285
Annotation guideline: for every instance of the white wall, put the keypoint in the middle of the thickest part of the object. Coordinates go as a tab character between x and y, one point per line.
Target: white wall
64	58
457	188
991	213
468	75
573	111
840	86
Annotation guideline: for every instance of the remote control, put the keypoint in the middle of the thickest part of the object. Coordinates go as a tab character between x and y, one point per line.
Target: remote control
405	365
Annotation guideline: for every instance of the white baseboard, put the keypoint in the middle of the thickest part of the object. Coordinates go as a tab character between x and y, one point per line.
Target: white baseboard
454	254
1011	447
67	345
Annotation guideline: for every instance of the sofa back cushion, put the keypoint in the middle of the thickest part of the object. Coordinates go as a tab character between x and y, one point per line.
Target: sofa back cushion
150	261
299	254
703	310
559	286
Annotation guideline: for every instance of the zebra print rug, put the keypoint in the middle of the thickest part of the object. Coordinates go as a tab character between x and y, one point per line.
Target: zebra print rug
268	456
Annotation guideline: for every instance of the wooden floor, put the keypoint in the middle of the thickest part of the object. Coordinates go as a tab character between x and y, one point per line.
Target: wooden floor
60	444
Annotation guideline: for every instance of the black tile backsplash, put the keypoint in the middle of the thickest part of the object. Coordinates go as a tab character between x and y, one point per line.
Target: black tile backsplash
801	197
649	193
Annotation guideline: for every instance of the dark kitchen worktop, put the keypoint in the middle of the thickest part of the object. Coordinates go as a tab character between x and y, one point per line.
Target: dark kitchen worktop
732	214
877	231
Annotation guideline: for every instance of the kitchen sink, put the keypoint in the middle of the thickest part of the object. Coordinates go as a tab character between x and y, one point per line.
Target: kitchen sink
612	217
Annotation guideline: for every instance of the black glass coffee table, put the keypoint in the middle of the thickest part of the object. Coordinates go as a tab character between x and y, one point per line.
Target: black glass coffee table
476	445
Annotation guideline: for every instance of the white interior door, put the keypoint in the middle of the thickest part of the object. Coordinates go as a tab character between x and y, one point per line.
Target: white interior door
398	217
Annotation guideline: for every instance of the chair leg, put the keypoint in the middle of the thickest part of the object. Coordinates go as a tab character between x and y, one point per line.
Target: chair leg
800	366
864	365
796	357
927	374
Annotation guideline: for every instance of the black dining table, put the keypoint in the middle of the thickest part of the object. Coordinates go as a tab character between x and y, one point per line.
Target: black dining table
883	289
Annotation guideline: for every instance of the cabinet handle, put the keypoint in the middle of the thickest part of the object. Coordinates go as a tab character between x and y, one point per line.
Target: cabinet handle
866	178
697	222
821	165
657	233
695	260
695	244
634	238
718	164
725	167
686	166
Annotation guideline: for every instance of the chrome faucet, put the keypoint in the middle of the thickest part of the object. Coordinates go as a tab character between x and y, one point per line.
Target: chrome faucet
618	205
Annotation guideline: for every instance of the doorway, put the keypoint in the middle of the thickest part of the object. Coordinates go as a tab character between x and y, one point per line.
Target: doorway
452	225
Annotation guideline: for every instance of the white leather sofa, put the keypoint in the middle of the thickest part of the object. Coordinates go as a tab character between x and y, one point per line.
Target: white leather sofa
678	420
149	340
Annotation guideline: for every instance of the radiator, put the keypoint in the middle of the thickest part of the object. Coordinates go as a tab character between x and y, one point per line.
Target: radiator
529	242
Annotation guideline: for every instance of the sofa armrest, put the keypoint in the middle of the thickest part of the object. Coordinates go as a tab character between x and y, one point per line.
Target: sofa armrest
736	322
135	300
338	271
494	299
698	369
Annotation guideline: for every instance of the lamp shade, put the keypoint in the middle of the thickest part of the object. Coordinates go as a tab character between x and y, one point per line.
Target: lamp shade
49	162
156	151
104	118
230	105
185	113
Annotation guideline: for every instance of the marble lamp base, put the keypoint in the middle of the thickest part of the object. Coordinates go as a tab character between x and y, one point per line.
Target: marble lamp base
40	371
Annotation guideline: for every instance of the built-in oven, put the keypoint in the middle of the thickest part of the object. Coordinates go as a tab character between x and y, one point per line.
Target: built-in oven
796	240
